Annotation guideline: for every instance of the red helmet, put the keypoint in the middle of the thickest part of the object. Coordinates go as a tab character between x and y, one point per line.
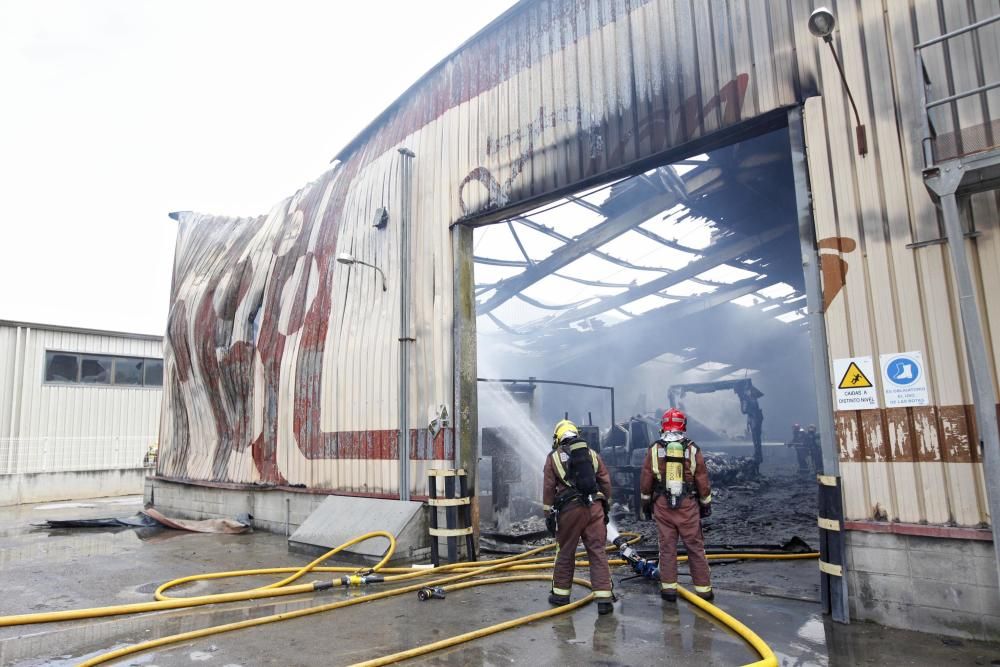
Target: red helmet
673	420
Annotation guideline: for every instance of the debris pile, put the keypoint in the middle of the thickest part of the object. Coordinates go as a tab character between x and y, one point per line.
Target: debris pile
771	508
726	469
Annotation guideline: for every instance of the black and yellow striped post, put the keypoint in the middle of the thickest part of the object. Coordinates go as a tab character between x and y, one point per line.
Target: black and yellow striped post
832	548
452	505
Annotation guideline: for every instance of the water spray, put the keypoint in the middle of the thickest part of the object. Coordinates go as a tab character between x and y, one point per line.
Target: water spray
613	532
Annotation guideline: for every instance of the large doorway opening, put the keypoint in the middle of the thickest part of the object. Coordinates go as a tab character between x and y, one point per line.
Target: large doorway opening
678	287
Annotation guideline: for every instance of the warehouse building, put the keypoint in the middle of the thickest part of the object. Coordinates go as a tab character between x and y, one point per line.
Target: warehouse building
79	411
694	173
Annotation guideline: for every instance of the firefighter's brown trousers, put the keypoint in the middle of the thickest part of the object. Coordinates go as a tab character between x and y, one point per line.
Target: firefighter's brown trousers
577	521
685	521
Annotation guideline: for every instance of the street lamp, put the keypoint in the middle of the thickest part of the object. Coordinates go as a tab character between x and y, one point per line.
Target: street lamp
821	24
348	259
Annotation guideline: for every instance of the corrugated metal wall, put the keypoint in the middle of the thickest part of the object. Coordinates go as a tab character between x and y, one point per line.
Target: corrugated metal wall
553	95
282	364
912	465
45	426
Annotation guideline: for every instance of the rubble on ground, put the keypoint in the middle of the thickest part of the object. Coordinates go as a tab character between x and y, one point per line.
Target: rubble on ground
729	469
770	509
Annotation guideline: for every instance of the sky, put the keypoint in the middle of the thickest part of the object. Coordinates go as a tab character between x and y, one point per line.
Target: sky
115	112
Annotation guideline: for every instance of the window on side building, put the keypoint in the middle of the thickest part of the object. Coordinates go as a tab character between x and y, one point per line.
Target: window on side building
61	367
128	371
95	370
154	373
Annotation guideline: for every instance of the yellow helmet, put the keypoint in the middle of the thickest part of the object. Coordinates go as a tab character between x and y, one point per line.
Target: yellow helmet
564	429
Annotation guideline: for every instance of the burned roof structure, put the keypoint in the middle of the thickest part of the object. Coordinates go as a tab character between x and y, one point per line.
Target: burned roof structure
563	281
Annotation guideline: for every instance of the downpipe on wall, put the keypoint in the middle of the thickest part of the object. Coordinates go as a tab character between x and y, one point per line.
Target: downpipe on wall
405	339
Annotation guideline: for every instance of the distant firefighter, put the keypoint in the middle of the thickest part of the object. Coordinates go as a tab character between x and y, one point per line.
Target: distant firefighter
576	495
674	488
806	444
811	442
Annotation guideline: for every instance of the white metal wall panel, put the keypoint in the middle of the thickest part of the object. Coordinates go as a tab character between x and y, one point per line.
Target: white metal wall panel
9	350
51	426
914	465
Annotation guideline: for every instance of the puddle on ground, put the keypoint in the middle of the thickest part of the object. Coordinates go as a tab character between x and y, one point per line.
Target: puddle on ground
62	506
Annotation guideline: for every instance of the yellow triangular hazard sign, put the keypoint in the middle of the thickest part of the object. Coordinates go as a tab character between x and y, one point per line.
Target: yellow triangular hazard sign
854	378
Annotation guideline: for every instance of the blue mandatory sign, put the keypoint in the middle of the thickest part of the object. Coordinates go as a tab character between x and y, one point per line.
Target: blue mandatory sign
903	371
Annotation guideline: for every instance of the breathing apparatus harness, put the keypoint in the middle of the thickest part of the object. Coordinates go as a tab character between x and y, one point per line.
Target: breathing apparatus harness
679	455
576	466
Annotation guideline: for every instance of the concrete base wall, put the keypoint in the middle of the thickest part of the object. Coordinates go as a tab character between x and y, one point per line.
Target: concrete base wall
928	584
273	510
40	487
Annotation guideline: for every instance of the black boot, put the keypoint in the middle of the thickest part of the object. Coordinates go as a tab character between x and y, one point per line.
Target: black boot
558	600
669	595
707	597
605	608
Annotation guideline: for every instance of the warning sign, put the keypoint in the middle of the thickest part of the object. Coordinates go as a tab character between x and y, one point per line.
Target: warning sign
904	380
854	382
854	378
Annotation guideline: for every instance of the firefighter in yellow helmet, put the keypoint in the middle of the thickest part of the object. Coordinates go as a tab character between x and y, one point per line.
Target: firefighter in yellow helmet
576	494
674	488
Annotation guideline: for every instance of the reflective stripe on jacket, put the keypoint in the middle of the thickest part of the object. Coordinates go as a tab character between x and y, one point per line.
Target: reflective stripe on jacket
554	482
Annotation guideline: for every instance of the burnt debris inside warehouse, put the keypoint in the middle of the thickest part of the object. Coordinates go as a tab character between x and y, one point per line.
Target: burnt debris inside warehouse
678	287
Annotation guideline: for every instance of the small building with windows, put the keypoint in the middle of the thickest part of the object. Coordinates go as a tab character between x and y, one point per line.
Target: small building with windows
79	411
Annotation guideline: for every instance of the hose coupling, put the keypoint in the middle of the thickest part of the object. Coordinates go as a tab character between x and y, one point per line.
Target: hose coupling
431	592
322	585
359	580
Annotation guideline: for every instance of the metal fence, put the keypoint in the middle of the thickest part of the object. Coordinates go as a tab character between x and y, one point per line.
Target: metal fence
66	454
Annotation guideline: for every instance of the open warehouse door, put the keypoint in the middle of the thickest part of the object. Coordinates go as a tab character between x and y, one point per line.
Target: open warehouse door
681	286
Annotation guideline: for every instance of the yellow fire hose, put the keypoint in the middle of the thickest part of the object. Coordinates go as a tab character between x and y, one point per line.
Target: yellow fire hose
459	573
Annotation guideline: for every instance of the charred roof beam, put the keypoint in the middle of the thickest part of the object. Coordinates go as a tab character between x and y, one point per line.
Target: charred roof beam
517	240
724	253
545	306
587	242
528	222
651	326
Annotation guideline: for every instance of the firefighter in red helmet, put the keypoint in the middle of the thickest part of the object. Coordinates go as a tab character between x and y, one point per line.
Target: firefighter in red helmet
674	488
576	492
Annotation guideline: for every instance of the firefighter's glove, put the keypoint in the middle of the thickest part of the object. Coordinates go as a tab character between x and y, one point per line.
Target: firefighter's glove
705	510
607	513
647	510
550	523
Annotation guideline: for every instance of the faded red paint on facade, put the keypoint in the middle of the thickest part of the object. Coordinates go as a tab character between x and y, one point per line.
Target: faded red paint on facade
931	434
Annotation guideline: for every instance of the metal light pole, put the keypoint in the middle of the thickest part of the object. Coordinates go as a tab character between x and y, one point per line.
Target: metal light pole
821	24
345	258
